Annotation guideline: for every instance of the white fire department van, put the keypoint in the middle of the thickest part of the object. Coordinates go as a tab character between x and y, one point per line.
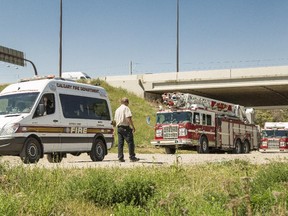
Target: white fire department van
197	123
54	116
274	137
75	76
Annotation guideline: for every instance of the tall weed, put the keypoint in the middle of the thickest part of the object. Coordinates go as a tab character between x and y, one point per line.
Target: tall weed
9	203
269	188
106	188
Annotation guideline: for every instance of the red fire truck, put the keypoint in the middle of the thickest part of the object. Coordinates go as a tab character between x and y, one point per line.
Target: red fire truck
274	137
193	122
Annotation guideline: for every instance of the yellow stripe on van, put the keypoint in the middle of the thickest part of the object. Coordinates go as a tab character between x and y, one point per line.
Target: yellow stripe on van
43	129
99	130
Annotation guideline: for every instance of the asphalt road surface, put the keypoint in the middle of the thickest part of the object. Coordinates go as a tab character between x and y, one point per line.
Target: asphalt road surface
110	160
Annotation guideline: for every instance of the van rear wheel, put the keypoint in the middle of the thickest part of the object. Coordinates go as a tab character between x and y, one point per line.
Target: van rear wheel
55	157
98	150
31	151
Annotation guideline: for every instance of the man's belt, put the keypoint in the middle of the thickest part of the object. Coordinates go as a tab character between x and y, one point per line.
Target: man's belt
123	126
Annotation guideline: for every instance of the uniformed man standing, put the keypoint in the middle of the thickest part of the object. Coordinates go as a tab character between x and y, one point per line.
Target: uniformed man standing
125	130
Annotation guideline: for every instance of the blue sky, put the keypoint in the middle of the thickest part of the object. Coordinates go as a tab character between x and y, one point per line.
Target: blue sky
101	37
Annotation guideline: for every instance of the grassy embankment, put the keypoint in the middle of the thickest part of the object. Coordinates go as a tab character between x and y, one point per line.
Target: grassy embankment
225	188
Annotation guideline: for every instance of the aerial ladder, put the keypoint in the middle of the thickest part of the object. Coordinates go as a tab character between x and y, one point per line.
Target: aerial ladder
177	100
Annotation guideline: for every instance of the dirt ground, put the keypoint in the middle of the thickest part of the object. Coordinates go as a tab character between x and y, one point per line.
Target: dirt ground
84	161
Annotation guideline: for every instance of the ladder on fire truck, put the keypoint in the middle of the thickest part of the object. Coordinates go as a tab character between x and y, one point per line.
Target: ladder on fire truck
179	100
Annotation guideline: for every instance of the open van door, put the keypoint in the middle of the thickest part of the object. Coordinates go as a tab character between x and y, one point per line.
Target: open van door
46	122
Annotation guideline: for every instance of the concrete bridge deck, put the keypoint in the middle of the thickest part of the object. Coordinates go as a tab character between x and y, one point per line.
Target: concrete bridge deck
263	87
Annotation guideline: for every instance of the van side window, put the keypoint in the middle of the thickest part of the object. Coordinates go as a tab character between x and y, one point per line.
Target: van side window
46	105
84	107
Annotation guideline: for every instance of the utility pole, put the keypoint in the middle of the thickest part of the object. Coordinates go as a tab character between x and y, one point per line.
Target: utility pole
60	42
177	37
130	67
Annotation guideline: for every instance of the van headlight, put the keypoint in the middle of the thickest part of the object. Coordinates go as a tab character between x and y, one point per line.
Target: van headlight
9	129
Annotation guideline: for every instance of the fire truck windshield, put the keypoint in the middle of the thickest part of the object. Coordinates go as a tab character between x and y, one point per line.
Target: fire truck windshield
174	117
274	133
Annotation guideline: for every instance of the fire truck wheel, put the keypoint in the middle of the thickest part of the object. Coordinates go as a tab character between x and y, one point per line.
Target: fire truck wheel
55	157
238	147
170	150
203	147
98	150
246	147
31	151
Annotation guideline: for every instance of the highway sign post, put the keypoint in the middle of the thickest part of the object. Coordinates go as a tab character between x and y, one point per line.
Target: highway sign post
14	57
11	56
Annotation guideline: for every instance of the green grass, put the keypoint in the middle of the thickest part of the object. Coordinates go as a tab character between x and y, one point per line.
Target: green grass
226	188
2	87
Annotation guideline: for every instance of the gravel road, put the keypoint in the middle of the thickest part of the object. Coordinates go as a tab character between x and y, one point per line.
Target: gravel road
84	161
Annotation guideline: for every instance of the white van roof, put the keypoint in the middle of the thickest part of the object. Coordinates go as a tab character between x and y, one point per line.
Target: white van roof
38	85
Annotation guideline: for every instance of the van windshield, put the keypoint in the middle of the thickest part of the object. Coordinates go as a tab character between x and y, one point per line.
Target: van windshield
86	76
17	103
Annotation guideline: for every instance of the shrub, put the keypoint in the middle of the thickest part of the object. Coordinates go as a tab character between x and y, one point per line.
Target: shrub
269	187
135	191
104	188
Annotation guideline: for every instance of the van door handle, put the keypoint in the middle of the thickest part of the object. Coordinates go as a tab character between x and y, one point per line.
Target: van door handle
55	120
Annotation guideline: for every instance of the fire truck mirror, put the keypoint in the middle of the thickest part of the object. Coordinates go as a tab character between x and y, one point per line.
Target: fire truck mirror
148	120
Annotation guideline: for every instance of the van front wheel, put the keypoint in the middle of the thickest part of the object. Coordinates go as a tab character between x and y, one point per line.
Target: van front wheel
98	150
31	151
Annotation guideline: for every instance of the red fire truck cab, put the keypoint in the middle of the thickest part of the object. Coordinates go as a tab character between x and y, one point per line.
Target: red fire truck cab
274	137
197	123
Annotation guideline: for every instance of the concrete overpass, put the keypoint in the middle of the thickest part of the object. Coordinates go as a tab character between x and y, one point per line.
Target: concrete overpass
262	87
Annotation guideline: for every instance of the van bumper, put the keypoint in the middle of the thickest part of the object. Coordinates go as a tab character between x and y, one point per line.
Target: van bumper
11	146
